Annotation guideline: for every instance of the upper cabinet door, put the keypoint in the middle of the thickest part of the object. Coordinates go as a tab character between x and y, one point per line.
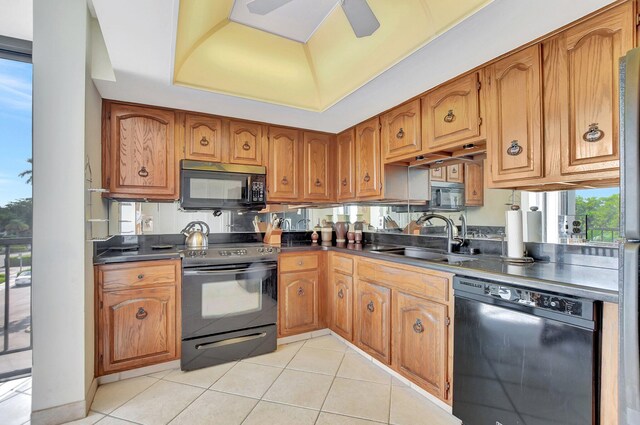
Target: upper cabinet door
346	165
245	143
368	165
473	185
455	173
439	174
451	114
317	174
203	138
401	131
139	153
589	72
283	168
514	116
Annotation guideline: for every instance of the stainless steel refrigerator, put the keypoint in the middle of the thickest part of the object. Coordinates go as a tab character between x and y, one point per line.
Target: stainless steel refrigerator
629	376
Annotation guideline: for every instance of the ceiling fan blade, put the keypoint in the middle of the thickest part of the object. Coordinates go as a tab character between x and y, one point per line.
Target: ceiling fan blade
361	17
262	7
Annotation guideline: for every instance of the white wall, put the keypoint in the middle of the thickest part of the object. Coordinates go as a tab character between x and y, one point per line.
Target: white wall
59	292
492	212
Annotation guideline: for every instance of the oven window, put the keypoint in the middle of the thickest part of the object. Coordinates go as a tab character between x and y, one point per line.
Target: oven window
230	298
215	189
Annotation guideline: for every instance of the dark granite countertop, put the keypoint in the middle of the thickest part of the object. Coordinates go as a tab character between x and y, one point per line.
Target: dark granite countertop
596	283
143	253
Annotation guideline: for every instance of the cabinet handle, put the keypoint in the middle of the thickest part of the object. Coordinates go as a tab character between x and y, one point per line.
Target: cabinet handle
450	117
246	146
340	293
300	262
366	177
515	149
284	181
143	172
300	291
418	327
140	276
475	193
204	141
594	134
370	306
141	314
344	181
400	134
454	170
318	183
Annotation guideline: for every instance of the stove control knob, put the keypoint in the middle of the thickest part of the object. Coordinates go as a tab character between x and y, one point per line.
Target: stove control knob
192	253
260	250
203	253
269	250
242	252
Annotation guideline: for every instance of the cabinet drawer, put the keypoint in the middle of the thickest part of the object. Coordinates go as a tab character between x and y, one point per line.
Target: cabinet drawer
426	283
342	263
138	274
298	262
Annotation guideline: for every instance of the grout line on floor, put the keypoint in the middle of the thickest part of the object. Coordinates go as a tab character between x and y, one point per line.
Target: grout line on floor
267	390
331	386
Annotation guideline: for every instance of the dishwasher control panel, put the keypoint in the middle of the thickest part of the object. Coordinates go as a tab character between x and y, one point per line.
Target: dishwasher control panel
563	304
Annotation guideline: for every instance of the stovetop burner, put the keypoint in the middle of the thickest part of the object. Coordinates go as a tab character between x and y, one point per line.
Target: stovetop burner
219	254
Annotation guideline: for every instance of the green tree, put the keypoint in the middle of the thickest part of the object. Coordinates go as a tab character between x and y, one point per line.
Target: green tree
16	227
28	173
20	210
602	213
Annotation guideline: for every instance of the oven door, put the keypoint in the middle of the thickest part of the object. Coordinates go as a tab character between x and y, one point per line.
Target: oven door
217	299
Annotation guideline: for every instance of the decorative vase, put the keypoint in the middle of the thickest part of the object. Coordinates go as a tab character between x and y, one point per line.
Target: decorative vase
327	234
341	230
315	236
351	235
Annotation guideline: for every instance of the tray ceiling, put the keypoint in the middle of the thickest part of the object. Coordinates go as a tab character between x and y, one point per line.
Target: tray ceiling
216	52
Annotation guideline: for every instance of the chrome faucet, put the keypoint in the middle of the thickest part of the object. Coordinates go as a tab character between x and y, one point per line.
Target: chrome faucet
463	237
304	222
451	240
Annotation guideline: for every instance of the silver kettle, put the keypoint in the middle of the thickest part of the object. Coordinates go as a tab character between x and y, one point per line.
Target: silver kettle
196	234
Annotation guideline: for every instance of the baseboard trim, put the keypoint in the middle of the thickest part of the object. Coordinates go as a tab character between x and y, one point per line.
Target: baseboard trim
60	414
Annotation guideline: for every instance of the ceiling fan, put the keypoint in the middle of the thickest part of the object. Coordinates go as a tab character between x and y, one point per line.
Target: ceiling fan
358	12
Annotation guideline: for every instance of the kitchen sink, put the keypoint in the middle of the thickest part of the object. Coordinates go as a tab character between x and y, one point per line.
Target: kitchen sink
424	254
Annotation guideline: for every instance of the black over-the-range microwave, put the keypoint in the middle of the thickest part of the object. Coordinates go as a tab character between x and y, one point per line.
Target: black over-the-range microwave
213	186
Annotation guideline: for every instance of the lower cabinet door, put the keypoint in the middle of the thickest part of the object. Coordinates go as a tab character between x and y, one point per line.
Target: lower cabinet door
298	302
373	320
342	305
138	328
420	342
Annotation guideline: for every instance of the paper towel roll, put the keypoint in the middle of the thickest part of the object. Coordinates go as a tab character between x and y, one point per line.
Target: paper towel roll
534	226
515	247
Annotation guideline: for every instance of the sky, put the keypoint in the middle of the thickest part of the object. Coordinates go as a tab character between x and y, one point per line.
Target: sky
15	129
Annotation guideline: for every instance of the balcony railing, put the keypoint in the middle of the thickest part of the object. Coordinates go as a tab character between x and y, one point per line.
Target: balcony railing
16	294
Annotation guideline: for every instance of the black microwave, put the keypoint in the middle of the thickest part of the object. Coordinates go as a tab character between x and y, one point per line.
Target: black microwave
213	186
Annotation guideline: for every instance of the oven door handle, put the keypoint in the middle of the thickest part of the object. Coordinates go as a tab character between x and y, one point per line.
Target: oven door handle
230	341
227	271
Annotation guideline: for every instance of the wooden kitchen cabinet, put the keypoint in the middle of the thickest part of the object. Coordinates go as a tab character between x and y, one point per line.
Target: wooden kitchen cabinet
368	161
514	116
455	173
473	185
138	152
341	288
203	138
401	132
341	292
438	174
451	173
246	143
137	314
373	320
345	163
420	342
300	292
283	167
451	114
317	167
582	91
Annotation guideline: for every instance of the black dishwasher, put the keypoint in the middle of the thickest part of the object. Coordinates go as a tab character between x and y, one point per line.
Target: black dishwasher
523	357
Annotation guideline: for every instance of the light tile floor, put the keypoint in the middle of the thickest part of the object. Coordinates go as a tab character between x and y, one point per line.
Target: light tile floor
319	381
